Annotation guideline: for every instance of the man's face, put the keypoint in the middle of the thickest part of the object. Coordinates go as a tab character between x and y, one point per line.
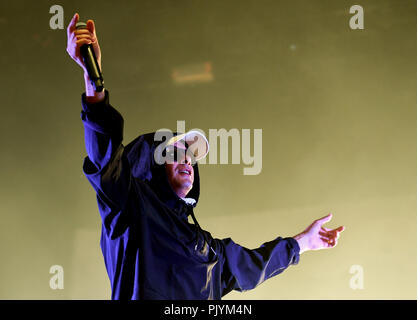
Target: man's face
180	172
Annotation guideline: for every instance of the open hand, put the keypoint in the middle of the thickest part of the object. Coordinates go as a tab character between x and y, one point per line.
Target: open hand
316	237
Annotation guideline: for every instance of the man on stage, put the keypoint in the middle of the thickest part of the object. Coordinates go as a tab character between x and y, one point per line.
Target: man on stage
150	249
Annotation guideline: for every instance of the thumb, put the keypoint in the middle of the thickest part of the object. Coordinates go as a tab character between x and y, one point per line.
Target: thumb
325	219
341	228
91	27
73	22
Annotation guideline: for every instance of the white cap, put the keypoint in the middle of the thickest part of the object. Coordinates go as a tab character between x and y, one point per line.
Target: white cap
196	141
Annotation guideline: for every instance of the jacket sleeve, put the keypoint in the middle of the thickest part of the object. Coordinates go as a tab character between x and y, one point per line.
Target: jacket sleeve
106	166
244	269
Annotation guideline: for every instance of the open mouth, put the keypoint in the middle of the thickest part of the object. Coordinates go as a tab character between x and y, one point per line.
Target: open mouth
188	172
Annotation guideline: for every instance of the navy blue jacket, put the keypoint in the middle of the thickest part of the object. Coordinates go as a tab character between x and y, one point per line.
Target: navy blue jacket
150	249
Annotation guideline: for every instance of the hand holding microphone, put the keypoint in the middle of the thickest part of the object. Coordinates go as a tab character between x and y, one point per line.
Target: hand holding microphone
84	49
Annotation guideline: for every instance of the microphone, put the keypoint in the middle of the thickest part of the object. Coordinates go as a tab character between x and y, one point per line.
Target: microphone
90	61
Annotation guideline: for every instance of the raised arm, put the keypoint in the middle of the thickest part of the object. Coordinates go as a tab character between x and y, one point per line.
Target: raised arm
106	167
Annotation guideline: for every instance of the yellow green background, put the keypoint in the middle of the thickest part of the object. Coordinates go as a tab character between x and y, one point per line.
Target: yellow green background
337	108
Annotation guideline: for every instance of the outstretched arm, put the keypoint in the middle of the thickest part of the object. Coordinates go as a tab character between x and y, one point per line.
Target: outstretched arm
244	269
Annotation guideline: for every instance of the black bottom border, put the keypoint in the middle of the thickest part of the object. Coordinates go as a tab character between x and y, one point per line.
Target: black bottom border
230	309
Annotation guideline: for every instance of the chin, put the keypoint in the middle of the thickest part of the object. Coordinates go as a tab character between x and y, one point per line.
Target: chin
186	184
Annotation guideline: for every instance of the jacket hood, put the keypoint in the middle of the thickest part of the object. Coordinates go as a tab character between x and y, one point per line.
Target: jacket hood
140	154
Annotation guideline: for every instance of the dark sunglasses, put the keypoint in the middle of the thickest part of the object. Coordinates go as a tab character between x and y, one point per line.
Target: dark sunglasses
174	154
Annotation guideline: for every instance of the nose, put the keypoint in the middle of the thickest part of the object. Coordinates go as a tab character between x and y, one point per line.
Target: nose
187	159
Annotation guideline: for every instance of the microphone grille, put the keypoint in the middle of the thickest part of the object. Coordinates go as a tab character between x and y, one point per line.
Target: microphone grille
81	25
